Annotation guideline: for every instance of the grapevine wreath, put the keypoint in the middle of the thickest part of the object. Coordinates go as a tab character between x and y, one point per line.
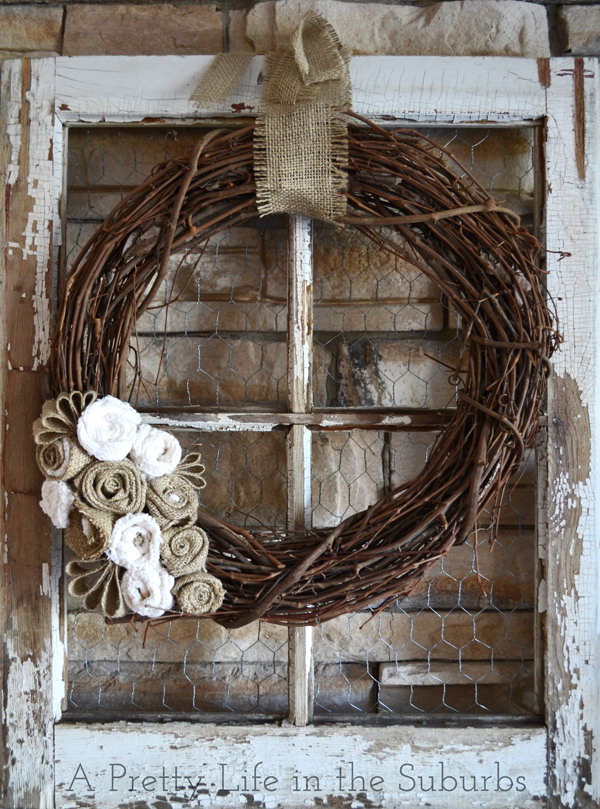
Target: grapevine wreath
129	502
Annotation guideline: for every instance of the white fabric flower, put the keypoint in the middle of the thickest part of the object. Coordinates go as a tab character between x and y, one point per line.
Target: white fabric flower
147	590
107	429
156	452
57	500
135	541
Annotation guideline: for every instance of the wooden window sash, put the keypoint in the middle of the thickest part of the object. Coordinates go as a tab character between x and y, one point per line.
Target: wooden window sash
40	97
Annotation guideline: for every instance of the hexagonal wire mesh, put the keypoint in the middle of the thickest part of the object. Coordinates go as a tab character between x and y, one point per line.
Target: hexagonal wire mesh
215	339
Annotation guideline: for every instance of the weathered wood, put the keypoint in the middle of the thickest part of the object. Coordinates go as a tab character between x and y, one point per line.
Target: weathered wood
319	419
114	89
377	754
26	168
299	455
573	557
117	88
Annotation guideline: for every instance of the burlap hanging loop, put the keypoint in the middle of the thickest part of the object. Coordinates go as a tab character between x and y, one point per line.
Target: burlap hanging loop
301	135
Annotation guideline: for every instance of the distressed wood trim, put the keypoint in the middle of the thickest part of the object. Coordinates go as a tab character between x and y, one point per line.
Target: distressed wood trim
299	455
30	196
573	556
340	419
283	753
126	88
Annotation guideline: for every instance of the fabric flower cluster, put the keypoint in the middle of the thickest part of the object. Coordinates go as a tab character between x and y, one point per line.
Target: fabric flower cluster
128	505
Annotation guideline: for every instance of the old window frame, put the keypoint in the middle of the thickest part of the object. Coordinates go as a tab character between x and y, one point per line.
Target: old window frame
40	99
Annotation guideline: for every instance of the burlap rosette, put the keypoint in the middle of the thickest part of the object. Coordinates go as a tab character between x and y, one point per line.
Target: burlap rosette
59	416
113	486
89	530
172	501
99	584
61	459
198	593
184	550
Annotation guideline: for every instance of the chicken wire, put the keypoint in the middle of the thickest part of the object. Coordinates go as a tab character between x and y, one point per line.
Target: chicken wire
215	339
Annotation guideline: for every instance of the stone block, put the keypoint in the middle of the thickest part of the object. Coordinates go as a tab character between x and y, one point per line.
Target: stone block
347	474
374	372
217	370
504	687
160	28
131	688
479	27
581	29
345	688
27	30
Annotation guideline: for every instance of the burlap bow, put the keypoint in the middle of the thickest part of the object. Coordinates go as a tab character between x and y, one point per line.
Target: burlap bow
301	137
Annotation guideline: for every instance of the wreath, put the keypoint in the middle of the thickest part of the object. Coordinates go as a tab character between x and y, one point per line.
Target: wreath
127	499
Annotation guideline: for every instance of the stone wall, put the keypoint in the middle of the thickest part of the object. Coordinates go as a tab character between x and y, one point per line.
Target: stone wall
472	27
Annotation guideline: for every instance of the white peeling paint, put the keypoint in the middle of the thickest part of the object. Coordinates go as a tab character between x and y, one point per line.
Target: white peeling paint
216	422
574	282
223	756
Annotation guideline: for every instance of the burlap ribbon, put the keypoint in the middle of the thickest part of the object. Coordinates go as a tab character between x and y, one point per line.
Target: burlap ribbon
59	416
113	486
198	593
61	459
88	532
99	584
192	469
172	501
301	137
184	550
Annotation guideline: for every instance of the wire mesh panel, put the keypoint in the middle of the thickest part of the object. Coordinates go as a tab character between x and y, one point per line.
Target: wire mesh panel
463	642
215	336
215	339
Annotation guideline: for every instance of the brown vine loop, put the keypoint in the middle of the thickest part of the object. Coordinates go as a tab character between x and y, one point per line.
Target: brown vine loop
439	219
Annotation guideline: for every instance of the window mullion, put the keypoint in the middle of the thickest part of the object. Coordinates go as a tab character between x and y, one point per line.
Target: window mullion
300	689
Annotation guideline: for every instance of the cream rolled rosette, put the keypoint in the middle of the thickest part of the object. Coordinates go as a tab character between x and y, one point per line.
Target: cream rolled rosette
156	452
184	550
172	501
113	486
57	501
198	593
135	541
61	459
107	429
147	590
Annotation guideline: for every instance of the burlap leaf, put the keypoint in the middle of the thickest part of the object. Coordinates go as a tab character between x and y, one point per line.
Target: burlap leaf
172	501
61	459
184	550
192	469
59	416
198	593
113	486
99	584
89	530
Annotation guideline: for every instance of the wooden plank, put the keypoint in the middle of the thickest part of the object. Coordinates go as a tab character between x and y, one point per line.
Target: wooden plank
318	419
132	88
573	553
29	581
95	764
300	639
